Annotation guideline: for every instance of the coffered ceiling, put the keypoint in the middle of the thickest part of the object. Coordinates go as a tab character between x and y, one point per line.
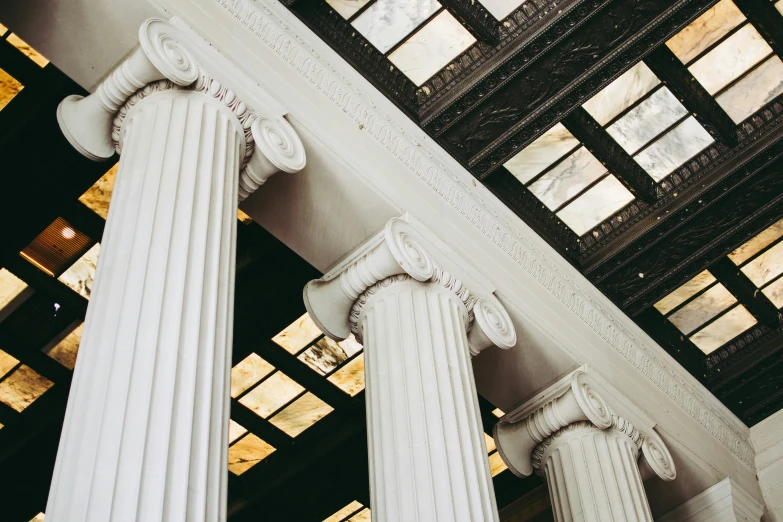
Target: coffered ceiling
641	138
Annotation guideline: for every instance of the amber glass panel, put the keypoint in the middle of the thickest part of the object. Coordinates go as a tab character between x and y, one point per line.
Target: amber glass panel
80	275
270	395
301	414
28	51
350	378
298	334
9	87
20	389
249	451
98	196
249	371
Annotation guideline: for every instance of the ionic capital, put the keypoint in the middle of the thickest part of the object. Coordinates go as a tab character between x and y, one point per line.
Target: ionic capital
524	436
165	61
335	301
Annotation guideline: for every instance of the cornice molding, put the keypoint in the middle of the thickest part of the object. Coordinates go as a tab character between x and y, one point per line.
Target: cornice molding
293	47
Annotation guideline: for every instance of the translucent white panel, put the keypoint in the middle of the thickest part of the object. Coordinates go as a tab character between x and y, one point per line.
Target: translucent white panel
9	88
779	6
765	267
350	378
249	371
621	93
497	412
347	8
386	22
431	48
65	351
301	414
98	196
774	292
271	395
80	275
723	330
685	292
20	389
732	57
235	430
646	120
568	178
706	30
326	355
28	51
501	8
548	148
702	309
7	363
754	91
353	507
249	451
673	149
10	287
298	334
755	245
496	464
595	205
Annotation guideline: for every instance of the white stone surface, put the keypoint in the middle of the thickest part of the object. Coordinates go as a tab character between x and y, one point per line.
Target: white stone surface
767	438
419	324
380	160
146	429
723	502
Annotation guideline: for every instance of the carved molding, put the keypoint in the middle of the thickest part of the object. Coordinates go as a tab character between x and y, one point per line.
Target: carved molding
163	62
335	302
293	48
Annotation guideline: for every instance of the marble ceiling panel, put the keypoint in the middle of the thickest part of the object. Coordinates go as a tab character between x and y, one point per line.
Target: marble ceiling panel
674	148
536	157
723	330
706	30
386	22
685	292
595	205
756	89
645	121
621	93
568	178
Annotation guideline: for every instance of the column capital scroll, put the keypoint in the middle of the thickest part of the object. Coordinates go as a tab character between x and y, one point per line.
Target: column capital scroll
165	61
523	436
335	301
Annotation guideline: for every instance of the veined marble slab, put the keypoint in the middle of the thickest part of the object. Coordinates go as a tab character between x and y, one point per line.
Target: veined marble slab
298	334
9	87
235	430
779	6
502	8
326	354
7	362
765	267
723	330
386	22
347	8
98	196
645	121
350	378
775	292
707	29
548	148
432	48
621	93
248	372
249	451
673	149
10	287
754	91
730	59
568	178
79	277
301	414
702	309
755	245
20	389
685	292
271	394
595	205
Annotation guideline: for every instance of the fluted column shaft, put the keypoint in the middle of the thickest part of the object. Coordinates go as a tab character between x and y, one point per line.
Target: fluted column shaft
145	434
428	461
593	475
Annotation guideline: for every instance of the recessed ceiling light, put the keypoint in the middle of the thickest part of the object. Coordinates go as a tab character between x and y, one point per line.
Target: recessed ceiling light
68	233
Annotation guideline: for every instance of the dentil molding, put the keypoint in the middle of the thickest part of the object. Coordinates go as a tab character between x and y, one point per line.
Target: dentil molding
293	47
164	61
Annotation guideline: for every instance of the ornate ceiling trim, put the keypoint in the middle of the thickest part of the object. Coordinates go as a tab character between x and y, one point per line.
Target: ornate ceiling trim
292	47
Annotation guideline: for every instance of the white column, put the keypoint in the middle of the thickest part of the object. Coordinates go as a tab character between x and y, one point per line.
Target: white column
588	455
145	433
427	459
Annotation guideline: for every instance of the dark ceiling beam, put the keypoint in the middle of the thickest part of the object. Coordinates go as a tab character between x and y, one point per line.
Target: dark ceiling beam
673	341
766	19
671	71
261	427
476	19
529	208
550	75
610	154
745	291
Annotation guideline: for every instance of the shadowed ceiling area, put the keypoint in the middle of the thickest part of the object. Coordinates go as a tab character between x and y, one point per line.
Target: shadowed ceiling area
640	138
